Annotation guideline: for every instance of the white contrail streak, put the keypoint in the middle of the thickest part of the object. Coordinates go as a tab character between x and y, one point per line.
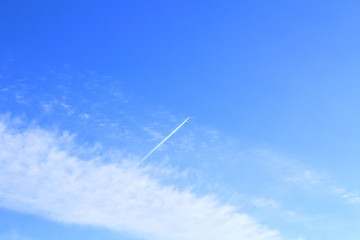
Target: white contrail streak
164	140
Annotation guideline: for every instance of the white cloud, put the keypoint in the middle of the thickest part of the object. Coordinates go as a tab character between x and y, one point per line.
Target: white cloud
348	196
43	173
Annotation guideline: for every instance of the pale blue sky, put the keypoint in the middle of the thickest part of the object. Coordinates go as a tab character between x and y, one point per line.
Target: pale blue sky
87	88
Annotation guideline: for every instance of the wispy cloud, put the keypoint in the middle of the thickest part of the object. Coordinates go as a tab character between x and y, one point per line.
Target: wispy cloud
313	180
262	202
308	178
45	174
348	196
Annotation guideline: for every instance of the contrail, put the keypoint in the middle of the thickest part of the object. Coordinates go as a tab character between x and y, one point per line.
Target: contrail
164	140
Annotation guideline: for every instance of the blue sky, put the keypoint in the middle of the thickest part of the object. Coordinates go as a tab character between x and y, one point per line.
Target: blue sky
271	151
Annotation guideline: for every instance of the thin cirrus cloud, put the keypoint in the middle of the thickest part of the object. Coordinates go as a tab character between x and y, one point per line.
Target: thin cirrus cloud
44	174
313	180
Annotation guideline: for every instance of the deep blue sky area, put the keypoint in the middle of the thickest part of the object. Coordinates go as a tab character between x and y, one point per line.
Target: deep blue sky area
257	67
279	78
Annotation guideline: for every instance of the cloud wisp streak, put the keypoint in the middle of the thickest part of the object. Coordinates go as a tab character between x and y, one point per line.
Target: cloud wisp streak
43	173
313	180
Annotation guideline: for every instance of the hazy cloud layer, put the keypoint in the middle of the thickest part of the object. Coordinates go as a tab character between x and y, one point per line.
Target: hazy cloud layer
43	173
